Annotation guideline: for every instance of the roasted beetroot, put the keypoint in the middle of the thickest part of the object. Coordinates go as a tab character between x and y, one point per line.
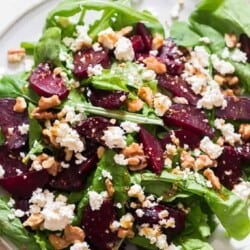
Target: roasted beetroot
185	137
88	165
188	118
88	57
141	56
238	108
145	34
97	226
137	42
23	185
245	45
151	216
172	57
244	152
9	123
46	83
153	151
107	99
229	167
92	128
178	87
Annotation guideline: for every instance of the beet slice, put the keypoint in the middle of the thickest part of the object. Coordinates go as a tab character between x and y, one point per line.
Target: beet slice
137	43
238	108
10	120
24	206
45	83
22	186
88	57
151	216
245	45
188	118
185	137
92	128
88	165
229	167
153	151
178	87
97	226
140	56
244	152
145	34
107	99
172	57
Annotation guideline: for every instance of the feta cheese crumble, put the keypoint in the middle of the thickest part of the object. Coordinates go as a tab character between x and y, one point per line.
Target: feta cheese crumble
124	50
80	246
161	104
213	150
130	127
120	159
96	199
106	174
243	190
222	66
24	129
114	137
2	171
239	56
95	70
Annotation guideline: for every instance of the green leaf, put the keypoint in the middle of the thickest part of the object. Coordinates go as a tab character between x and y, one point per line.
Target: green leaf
142	243
42	240
2	139
29	47
49	46
183	35
224	204
194	244
14	230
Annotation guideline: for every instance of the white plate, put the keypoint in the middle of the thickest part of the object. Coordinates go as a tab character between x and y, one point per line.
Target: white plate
28	27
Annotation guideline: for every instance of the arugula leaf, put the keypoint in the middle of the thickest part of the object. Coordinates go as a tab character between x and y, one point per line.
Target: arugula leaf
14	86
42	240
14	230
2	139
29	47
194	244
121	181
142	243
224	204
49	46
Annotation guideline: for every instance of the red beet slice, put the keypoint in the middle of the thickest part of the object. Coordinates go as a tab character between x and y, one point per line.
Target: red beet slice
22	186
185	138
245	45
24	206
137	42
107	99
244	152
178	87
140	56
45	83
11	120
92	128
151	216
188	118
88	57
172	57
88	165
153	151
229	167
97	226
238	108
147	38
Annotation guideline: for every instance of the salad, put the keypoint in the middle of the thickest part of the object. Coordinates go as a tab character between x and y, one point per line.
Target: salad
119	134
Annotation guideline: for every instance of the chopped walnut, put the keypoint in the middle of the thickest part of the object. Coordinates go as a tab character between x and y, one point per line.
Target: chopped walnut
16	55
187	161
209	174
231	40
68	154
109	187
135	156
244	130
73	234
124	31
34	221
48	102
100	151
42	115
229	80
153	64
203	161
57	242
125	233
146	94
157	42
20	105
135	105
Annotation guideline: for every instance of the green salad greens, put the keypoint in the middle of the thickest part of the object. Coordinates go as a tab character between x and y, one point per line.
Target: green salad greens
120	136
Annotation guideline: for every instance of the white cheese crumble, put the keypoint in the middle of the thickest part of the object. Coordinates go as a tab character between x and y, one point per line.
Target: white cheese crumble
205	40
114	137
197	82
24	129
137	192
120	159
69	138
139	212
71	116
11	202
124	50
79	158
96	47
222	66
107	38
148	75
2	171
80	246
96	199
213	150
200	57
212	97
130	127
95	70
243	190
65	57
106	174
227	130
239	56
19	213
161	104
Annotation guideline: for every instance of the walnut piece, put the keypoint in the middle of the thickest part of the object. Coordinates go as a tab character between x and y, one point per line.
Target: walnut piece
20	105
157	42
244	130
73	234
42	115
45	103
231	40
57	242
187	161
16	55
209	174
146	94
155	65
109	187
34	221
135	105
